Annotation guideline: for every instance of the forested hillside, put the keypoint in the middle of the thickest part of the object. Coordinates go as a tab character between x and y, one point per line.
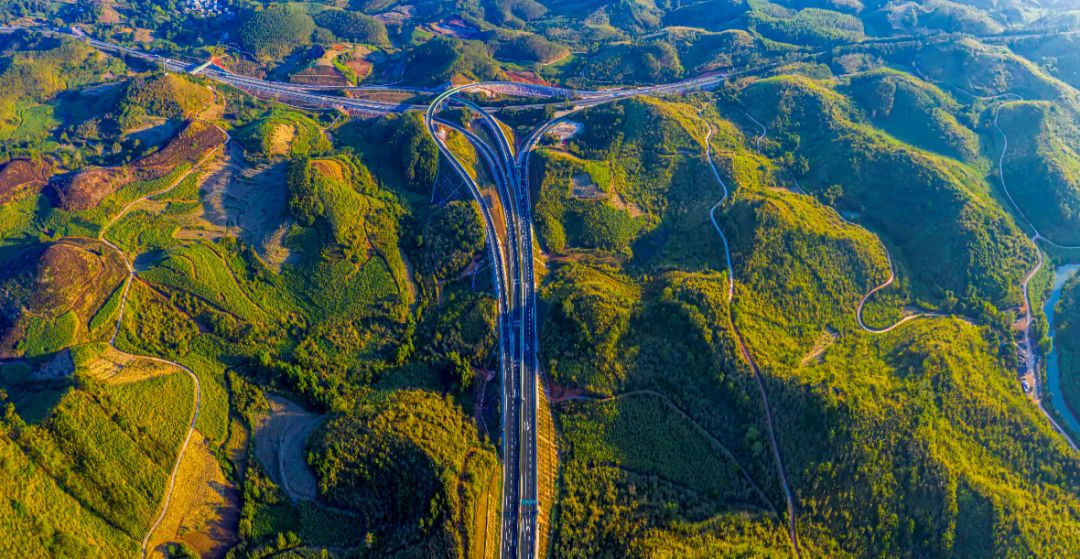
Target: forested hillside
781	273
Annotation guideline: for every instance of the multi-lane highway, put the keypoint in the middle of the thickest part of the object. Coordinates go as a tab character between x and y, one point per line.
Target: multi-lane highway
520	384
511	252
500	258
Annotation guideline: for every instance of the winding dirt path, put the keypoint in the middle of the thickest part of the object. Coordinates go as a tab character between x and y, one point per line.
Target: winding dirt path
760	137
788	497
865	298
888	257
116	330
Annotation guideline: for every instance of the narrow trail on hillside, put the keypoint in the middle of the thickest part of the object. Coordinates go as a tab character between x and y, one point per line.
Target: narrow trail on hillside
788	497
1031	361
760	137
887	283
116	331
862	302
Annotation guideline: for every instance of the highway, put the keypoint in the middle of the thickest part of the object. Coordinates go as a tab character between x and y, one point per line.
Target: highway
521	383
507	261
513	263
511	254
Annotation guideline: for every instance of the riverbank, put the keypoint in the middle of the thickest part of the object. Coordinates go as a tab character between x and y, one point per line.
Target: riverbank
1053	369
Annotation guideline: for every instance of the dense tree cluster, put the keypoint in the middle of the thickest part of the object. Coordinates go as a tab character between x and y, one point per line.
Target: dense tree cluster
353	26
277	30
452	238
439	60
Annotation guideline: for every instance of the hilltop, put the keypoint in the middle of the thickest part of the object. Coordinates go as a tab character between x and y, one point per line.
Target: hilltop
784	308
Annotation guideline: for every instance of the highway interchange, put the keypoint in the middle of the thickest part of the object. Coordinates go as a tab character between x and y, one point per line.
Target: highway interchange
511	254
512	259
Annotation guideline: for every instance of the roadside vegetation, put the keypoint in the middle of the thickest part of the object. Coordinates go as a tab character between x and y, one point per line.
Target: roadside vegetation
333	262
1067	324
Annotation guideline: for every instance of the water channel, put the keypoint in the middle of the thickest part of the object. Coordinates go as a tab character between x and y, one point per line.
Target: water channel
1053	370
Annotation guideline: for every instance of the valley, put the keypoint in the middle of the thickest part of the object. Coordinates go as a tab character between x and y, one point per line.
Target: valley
538	279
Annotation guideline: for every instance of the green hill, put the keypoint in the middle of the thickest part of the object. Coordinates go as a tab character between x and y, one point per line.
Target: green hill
277	30
62	294
1067	338
914	111
579	207
1058	54
162	95
678	393
1042	167
412	465
443	59
940	15
704	52
526	47
33	72
633	182
283	133
454	237
930	450
935	211
648	62
353	26
973	68
589	313
711	15
801	270
805	27
87	476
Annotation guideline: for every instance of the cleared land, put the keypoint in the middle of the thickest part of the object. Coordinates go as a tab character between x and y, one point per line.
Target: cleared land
280	440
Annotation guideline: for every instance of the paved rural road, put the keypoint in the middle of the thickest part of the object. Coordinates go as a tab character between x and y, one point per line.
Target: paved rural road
1031	361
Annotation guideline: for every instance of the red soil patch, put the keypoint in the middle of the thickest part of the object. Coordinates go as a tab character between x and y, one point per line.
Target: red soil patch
48	281
562	393
20	176
359	65
86	189
328	168
526	77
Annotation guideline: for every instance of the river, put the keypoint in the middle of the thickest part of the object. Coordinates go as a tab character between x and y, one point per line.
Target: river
1053	370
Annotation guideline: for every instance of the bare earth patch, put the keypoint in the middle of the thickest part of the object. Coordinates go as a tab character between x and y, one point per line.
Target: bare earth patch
329	168
22	176
86	189
583	186
240	199
205	508
631	208
566	130
281	138
824	341
280	440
